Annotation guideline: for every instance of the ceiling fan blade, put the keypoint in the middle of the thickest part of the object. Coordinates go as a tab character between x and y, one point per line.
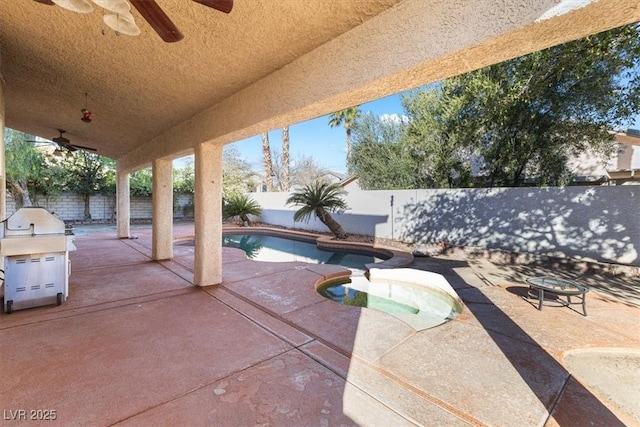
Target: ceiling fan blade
74	147
158	20
47	2
221	5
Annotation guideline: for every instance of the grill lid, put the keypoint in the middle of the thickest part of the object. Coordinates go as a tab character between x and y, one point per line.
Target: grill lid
33	221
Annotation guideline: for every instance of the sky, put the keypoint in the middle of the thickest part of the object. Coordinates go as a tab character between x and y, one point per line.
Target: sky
315	138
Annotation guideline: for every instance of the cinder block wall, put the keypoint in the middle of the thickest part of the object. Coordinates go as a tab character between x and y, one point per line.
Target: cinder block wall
70	206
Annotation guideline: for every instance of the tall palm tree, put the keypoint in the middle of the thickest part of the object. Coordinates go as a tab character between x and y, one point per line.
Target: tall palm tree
346	117
285	159
319	199
268	165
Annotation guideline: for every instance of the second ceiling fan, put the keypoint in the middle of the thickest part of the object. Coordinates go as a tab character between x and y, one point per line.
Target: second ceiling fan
66	143
148	9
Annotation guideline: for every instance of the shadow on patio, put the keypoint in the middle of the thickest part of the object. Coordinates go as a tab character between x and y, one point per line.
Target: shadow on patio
137	344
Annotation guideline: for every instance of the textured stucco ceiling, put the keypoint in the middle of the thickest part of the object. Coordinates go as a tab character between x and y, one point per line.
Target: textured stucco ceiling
267	64
138	87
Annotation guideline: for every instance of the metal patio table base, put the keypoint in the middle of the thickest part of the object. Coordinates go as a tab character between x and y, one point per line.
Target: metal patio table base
558	287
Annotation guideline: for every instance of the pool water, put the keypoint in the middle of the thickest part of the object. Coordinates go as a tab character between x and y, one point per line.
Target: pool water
277	249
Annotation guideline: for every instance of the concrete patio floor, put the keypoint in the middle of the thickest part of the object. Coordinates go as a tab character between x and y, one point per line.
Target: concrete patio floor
137	344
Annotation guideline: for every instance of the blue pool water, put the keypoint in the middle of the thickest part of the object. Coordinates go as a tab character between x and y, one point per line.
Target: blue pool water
278	249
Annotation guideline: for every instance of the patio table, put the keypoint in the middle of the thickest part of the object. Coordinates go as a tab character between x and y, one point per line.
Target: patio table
558	287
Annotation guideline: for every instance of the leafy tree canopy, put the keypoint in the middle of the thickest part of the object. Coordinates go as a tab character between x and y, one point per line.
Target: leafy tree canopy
519	119
141	182
381	158
237	175
89	174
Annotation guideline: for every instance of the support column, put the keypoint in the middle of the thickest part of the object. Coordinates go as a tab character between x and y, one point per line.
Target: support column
3	147
162	221
207	269
123	204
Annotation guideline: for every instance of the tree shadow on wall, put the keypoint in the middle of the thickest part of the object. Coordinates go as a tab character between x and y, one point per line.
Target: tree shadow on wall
574	222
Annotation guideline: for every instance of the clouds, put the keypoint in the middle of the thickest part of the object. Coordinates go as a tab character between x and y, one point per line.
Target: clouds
395	118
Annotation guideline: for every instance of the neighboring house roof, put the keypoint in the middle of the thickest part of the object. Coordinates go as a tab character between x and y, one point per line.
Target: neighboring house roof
348	180
628	136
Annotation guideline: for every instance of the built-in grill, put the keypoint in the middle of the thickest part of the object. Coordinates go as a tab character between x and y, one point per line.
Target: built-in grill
35	247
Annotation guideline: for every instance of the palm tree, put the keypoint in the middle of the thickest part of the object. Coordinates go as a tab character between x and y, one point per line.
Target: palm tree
268	165
319	199
285	159
241	206
346	117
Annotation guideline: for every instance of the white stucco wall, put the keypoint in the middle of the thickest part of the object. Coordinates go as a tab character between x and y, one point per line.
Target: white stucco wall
593	223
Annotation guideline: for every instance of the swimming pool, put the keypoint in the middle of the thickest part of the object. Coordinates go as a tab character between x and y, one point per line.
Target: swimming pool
269	248
421	299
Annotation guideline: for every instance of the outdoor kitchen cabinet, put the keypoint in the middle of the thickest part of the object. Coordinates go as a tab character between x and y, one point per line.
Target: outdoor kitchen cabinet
35	248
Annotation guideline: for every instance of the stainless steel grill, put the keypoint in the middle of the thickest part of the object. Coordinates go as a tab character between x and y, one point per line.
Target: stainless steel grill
35	247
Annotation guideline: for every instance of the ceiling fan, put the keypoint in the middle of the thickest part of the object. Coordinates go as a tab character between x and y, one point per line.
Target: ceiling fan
122	21
65	143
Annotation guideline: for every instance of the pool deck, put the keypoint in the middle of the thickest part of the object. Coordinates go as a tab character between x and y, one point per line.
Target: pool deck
137	344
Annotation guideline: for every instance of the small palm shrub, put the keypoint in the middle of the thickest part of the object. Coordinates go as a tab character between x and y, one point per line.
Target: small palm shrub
240	206
319	199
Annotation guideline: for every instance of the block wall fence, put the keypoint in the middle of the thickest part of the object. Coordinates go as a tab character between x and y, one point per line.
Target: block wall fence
589	223
70	207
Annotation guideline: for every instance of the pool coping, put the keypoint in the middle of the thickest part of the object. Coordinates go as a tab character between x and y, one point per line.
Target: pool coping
397	259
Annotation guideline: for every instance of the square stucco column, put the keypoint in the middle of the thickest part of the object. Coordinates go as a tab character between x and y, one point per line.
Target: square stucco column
207	267
162	221
123	217
3	147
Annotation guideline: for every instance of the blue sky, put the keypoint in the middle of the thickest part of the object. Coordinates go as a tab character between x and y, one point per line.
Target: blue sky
314	138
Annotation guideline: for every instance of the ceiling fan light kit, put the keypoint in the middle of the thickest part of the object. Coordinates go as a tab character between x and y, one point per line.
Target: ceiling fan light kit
122	21
79	6
119	7
122	24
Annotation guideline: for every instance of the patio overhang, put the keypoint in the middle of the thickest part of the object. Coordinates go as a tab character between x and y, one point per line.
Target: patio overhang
264	65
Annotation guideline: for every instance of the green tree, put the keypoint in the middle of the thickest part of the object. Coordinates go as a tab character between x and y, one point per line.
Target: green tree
52	180
24	166
347	118
381	159
525	117
184	179
433	137
319	199
237	175
90	174
141	183
513	122
240	206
